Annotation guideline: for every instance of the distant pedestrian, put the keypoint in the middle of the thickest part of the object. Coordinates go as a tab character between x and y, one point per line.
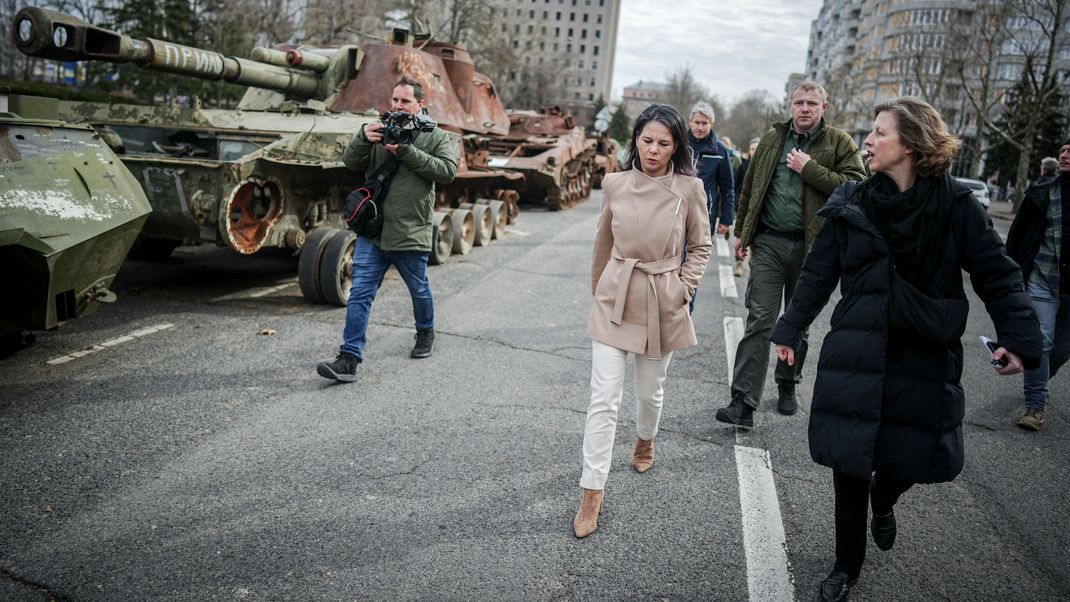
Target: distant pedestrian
641	289
888	404
713	165
1039	240
795	168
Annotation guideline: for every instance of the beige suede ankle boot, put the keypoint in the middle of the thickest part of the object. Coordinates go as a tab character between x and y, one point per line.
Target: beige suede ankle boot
644	454
586	521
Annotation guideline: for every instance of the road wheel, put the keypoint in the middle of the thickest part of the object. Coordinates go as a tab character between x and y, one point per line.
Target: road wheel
483	222
499	215
464	231
308	263
441	239
336	268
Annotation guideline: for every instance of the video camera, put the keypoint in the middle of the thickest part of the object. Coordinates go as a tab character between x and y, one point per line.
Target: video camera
400	127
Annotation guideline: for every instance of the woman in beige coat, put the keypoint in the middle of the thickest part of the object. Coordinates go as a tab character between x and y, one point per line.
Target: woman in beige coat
642	285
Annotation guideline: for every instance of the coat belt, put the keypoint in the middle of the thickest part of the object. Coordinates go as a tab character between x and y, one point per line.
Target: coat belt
653	317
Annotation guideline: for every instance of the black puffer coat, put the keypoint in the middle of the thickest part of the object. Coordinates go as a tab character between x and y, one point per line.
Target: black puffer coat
886	399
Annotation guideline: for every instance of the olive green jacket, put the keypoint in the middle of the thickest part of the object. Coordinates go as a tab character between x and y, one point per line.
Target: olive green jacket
409	205
834	159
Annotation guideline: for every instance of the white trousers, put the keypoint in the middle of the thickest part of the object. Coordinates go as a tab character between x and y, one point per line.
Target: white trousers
607	390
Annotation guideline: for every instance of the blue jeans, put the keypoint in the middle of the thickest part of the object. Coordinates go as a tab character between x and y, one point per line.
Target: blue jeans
369	267
1054	316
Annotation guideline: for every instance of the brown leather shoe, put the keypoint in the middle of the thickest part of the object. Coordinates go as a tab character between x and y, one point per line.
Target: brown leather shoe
644	454
586	521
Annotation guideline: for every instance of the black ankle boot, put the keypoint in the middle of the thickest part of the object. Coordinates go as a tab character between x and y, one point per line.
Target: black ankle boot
737	413
425	342
787	402
342	369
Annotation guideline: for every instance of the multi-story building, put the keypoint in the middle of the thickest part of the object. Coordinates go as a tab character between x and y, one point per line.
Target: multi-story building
641	95
571	42
945	51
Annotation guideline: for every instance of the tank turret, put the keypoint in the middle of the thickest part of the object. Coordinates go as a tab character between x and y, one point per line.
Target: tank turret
48	34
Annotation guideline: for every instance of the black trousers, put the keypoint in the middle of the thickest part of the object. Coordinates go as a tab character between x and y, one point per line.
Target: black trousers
852	499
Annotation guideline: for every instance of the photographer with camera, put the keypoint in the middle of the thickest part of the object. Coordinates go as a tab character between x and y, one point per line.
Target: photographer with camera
424	157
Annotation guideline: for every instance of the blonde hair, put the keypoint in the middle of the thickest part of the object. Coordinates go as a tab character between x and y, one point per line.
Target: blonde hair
810	86
923	131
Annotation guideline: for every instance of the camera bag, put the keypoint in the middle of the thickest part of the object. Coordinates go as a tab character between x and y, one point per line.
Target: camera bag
363	207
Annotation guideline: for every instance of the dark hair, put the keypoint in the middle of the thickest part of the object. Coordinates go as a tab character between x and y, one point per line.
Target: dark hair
417	89
922	130
670	118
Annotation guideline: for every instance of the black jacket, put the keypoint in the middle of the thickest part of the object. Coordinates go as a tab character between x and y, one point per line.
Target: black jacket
1027	229
884	398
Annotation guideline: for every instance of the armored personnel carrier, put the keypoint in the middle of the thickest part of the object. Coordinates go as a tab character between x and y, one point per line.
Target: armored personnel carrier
269	174
69	213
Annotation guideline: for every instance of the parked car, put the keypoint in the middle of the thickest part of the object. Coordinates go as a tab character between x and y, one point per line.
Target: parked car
979	188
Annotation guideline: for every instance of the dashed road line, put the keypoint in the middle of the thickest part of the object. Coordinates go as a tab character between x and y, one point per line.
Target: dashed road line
63	359
764	540
263	292
722	246
728	281
768	572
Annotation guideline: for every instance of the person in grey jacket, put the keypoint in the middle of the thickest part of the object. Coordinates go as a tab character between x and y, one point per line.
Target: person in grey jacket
405	240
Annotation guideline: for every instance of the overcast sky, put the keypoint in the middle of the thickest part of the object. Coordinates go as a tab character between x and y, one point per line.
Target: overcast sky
733	46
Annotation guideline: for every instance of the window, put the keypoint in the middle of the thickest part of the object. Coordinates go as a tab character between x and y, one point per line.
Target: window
557	32
583	48
592	82
572	16
531	29
594	65
579	65
558	15
570	33
555	46
599	19
568	47
531	14
595	51
585	15
583	34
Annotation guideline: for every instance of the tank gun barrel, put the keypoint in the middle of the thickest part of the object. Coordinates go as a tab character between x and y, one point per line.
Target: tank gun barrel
48	34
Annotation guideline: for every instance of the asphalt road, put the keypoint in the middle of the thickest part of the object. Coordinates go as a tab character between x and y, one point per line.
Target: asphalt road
190	457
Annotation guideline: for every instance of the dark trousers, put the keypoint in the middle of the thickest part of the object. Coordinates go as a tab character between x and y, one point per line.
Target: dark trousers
775	264
852	497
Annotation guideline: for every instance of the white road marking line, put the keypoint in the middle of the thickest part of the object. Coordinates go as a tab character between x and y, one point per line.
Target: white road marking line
768	572
728	281
263	292
764	541
63	359
512	230
273	289
722	246
733	332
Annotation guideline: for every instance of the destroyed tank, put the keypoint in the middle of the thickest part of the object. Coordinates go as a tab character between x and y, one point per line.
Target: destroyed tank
269	173
69	213
557	158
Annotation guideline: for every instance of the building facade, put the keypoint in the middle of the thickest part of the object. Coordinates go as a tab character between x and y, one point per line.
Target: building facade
571	43
641	95
944	51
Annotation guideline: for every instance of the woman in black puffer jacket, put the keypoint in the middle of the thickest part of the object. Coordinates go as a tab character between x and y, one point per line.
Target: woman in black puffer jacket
888	405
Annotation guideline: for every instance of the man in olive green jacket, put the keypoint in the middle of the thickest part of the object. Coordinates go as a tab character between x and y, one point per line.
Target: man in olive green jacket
795	168
405	240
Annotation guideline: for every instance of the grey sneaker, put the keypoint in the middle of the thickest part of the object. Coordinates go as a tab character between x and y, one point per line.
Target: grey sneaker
1032	420
342	369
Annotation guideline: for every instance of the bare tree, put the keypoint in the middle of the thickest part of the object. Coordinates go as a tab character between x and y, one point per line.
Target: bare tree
1032	31
684	90
751	116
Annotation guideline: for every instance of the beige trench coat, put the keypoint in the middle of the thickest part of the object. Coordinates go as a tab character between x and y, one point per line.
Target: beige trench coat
641	289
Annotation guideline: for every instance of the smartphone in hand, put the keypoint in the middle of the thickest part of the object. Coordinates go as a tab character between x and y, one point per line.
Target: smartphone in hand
991	346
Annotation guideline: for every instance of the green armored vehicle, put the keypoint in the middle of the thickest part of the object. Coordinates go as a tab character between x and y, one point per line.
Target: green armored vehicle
69	213
269	174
